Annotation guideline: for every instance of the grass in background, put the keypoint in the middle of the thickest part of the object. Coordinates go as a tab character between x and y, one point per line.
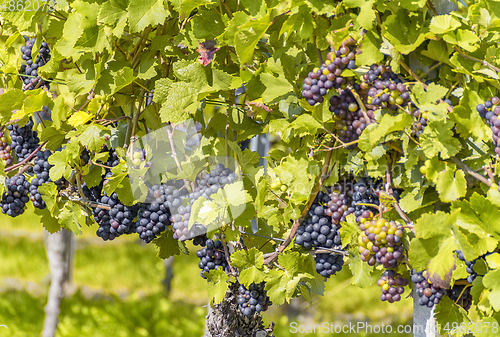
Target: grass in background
146	316
128	276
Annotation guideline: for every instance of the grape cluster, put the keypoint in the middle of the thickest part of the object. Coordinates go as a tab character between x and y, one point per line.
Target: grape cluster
348	116
320	230
461	295
41	170
365	192
15	198
30	69
252	300
92	194
205	187
380	242
340	204
328	264
112	160
329	74
212	256
392	285
154	217
420	122
5	149
385	88
428	294
491	110
118	220
469	267
138	156
24	139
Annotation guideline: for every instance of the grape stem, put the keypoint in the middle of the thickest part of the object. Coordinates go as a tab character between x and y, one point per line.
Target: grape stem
174	153
471	172
361	105
460	296
13	167
344	145
388	187
483	62
23	169
489	173
131	115
88	202
323	250
139	112
226	252
101	165
296	223
317	49
278	197
278	266
79	186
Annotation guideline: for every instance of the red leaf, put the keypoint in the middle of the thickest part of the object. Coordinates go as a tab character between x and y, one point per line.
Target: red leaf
206	50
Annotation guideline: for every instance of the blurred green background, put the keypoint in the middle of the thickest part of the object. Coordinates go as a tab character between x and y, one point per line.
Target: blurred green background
117	291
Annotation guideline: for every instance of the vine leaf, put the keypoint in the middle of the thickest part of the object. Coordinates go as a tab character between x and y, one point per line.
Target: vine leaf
361	271
49	222
144	13
217	284
247	37
71	217
388	124
441	24
79	118
93	137
386	199
437	139
492	281
11	100
449	312
366	12
166	246
250	265
451	185
349	231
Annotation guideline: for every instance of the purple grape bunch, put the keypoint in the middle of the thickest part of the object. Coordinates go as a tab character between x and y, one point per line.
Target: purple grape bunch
329	74
30	70
490	110
348	116
385	88
392	285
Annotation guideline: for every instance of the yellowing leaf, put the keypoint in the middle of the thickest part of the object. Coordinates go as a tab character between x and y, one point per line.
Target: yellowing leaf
79	118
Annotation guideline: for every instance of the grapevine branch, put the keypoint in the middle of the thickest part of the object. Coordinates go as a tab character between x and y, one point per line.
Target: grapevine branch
361	105
395	204
324	250
297	222
27	159
471	172
139	112
483	62
88	203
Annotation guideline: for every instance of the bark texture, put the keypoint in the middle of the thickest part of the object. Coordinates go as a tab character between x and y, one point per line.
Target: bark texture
58	247
224	319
